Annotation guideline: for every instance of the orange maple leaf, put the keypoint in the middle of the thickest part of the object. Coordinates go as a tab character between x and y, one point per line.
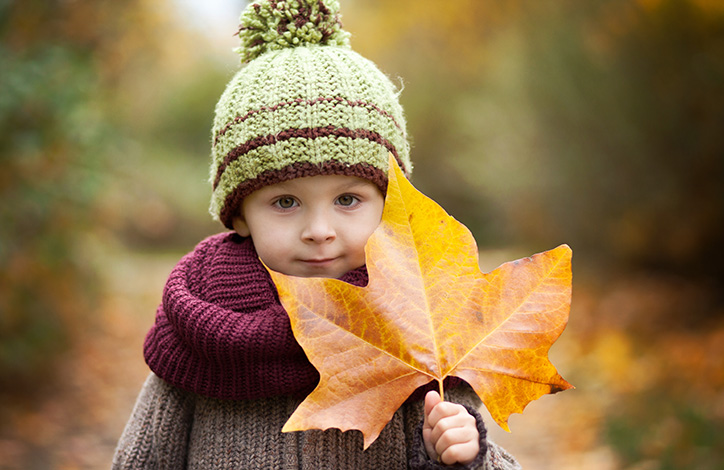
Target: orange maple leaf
428	312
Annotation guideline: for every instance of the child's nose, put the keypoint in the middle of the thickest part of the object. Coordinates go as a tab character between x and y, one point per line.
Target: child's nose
319	229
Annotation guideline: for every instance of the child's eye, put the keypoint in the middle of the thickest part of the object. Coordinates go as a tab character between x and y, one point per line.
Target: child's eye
346	200
285	202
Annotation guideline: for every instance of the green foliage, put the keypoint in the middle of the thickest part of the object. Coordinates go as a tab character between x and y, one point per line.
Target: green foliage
104	136
664	432
627	104
595	123
50	158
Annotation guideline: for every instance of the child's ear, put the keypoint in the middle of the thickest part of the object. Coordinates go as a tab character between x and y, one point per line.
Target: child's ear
241	227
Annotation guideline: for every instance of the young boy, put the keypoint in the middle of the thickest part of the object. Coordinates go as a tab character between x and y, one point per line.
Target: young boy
300	146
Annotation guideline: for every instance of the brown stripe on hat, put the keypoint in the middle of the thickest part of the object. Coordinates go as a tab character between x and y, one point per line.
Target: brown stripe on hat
301	101
305	133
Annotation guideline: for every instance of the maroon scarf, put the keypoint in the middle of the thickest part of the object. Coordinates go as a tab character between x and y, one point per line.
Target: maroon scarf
221	331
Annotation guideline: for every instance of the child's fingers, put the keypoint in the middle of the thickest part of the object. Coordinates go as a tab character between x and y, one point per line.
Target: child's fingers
446	418
450	432
460	453
445	409
431	399
452	437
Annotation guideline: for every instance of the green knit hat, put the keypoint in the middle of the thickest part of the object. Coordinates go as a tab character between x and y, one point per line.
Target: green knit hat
304	104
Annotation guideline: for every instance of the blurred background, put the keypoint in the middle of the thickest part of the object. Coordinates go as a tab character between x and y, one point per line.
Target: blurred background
597	123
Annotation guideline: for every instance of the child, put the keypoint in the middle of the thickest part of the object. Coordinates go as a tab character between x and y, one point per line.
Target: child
301	140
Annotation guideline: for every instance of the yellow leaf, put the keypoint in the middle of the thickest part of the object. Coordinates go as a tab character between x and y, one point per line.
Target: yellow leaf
428	312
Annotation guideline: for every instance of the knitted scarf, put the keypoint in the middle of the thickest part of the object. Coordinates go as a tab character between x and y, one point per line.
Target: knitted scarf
221	331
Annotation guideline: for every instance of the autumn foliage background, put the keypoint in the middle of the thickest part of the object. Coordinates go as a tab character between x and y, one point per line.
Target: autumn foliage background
595	123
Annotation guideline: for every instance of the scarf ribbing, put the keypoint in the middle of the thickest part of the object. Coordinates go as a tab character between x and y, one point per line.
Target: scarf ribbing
221	331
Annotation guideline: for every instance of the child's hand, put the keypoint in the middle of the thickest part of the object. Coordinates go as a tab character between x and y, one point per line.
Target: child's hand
450	433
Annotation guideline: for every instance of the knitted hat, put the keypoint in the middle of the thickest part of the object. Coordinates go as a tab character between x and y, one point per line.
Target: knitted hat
304	104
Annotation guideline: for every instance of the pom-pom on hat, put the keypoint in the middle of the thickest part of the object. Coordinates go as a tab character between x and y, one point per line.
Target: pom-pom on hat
304	104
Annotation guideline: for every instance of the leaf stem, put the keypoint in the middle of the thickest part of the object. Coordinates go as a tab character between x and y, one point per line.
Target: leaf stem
442	391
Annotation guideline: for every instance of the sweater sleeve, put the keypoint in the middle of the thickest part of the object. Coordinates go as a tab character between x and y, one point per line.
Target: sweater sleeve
491	456
156	435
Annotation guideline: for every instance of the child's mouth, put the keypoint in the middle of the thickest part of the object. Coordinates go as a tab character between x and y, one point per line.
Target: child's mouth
319	262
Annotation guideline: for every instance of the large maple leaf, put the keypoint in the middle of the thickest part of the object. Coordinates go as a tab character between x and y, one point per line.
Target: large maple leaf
428	312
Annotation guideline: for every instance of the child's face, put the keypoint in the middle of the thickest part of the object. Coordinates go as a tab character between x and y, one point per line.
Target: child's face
315	226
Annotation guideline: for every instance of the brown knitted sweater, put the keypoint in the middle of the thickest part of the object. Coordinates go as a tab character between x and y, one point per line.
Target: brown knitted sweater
173	429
